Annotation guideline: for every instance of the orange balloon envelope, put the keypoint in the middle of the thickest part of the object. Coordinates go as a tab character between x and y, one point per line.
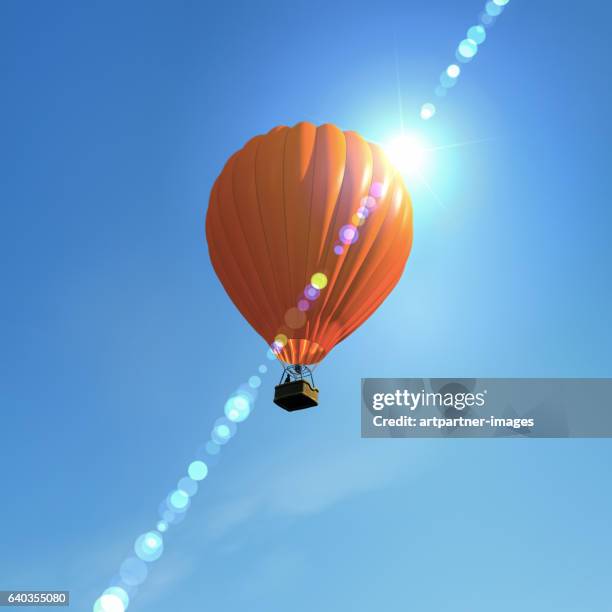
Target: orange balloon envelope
309	229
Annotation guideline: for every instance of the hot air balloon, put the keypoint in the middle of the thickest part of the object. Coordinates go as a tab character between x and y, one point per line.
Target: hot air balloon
308	229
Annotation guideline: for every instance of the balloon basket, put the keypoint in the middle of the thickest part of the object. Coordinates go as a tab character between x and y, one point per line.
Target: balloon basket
296	395
295	392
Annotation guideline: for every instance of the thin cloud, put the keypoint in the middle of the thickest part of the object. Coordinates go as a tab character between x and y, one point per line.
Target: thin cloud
315	482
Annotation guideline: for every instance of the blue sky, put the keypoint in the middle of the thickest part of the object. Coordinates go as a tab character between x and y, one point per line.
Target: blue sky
119	345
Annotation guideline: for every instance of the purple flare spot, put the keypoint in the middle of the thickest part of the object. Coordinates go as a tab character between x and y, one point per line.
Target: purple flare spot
376	190
348	234
368	202
311	292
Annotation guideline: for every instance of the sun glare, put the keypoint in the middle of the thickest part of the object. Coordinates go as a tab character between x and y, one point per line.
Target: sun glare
408	154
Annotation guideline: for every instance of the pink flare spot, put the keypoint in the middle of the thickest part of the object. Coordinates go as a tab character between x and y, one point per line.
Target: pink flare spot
368	202
303	305
348	234
376	190
338	250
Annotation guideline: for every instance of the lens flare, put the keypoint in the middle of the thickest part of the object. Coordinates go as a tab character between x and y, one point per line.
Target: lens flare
280	340
197	470
377	189
453	71
223	430
109	603
178	500
428	110
368	202
493	8
220	435
150	546
311	293
467	48
348	234
120	593
477	33
254	382
237	408
319	281
357	220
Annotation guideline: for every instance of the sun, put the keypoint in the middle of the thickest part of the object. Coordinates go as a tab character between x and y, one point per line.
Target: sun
408	154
